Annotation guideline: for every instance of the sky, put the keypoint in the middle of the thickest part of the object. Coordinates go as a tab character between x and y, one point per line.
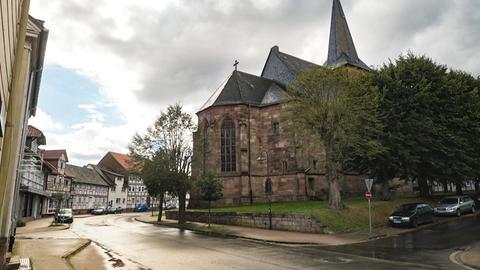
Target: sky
112	66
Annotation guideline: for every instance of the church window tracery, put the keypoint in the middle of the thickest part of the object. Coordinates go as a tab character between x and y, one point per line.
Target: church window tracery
228	149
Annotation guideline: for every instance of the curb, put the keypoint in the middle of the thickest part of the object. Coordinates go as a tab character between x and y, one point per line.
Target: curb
370	238
455	258
236	235
66	257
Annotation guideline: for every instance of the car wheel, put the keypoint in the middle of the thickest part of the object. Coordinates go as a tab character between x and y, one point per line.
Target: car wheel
473	209
459	213
414	223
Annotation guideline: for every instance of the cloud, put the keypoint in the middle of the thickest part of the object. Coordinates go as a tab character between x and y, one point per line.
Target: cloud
45	121
147	54
93	114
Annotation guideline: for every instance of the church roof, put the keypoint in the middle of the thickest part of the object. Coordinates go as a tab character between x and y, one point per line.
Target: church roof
341	49
282	67
244	88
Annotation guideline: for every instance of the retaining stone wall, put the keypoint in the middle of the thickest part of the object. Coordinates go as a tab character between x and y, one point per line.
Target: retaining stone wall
286	222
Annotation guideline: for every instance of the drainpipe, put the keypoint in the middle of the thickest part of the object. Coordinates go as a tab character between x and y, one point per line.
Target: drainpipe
250	191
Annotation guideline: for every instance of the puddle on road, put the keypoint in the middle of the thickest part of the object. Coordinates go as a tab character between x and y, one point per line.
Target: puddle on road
98	257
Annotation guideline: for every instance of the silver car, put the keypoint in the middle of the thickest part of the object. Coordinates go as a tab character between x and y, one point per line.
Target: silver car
455	205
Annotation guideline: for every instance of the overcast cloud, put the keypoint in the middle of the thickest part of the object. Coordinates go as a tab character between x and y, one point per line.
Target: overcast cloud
147	54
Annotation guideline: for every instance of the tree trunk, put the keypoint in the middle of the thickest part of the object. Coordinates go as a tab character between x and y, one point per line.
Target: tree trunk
334	198
445	186
424	189
209	212
181	207
386	195
458	187
160	206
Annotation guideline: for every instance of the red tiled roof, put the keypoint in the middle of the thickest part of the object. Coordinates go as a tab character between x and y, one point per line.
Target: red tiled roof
36	133
118	163
54	154
122	159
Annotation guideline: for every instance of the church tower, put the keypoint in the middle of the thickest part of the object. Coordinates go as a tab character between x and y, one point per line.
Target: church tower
341	50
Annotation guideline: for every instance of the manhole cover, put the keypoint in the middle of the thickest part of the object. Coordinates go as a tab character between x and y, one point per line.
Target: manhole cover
335	260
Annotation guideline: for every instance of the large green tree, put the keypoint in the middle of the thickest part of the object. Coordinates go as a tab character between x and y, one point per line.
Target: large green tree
166	152
340	107
430	117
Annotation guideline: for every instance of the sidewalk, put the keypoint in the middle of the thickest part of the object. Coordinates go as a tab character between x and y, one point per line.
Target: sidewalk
470	257
41	225
274	236
48	254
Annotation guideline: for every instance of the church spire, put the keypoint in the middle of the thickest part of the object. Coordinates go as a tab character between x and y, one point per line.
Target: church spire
341	50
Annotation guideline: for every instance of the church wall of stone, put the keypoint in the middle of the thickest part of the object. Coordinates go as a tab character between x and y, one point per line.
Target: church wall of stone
289	154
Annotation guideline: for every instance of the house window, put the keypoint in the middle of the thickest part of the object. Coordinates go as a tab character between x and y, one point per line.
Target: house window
228	151
276	132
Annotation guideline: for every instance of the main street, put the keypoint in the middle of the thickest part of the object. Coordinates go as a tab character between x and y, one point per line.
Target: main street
158	247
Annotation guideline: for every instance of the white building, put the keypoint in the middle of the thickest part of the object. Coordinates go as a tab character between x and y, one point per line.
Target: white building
117	193
58	184
89	190
137	191
32	177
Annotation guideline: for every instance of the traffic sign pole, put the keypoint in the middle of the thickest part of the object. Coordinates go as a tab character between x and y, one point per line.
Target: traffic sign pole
368	195
370	215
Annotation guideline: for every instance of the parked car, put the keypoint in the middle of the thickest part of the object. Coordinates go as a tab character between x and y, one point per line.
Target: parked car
455	205
411	214
141	207
114	210
64	215
99	211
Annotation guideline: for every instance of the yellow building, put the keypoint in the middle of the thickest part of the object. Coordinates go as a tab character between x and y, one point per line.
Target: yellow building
22	49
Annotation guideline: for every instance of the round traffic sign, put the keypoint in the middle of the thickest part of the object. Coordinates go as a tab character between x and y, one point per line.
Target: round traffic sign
368	195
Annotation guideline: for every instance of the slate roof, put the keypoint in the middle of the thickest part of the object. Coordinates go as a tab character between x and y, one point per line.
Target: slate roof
84	175
341	49
283	68
107	175
244	88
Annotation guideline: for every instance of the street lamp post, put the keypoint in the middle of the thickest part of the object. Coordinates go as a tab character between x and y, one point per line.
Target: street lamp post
268	188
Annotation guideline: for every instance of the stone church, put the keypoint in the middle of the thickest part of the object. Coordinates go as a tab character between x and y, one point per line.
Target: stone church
243	138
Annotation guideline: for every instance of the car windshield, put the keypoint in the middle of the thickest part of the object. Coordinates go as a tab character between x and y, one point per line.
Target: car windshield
407	208
65	211
449	201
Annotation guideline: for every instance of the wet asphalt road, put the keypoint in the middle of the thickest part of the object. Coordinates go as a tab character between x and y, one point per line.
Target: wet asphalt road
158	247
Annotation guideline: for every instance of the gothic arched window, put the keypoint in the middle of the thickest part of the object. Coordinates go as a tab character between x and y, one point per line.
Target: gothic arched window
228	152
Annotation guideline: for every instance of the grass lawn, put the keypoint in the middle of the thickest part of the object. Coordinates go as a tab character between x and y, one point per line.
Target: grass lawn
353	218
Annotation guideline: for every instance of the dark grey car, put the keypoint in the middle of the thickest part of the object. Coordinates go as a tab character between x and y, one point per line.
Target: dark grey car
455	205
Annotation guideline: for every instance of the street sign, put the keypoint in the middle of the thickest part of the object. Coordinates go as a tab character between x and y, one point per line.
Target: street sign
369	183
368	195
